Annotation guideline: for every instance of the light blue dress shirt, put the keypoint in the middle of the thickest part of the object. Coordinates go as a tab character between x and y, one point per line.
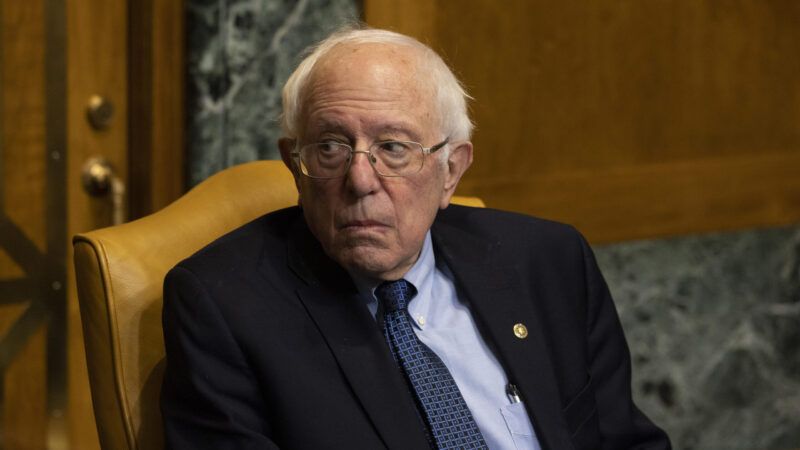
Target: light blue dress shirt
445	325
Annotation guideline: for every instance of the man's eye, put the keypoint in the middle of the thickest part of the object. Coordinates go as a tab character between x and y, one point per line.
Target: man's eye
394	147
329	147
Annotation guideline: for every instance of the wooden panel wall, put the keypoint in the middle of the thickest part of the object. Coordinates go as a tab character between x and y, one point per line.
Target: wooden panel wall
629	119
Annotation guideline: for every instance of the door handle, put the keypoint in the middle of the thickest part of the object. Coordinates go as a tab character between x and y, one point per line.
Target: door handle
100	180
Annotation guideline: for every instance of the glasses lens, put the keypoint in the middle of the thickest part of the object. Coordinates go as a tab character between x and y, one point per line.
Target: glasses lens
393	158
325	159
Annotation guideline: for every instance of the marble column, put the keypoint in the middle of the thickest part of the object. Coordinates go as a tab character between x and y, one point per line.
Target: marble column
240	54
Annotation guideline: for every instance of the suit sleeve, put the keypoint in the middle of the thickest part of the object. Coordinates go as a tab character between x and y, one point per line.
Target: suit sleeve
622	424
209	396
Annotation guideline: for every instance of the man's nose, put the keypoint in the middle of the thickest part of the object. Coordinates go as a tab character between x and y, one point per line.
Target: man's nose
362	178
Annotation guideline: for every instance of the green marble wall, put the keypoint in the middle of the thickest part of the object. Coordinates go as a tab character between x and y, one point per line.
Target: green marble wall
713	323
240	54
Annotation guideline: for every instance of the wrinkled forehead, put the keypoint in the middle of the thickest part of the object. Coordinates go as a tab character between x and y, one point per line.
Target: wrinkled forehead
355	55
373	72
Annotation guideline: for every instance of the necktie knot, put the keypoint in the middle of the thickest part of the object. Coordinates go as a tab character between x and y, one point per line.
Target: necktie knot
395	295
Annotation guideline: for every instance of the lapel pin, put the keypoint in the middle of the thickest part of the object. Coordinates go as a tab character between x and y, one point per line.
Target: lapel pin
520	331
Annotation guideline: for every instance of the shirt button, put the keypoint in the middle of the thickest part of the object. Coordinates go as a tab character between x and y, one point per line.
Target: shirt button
421	320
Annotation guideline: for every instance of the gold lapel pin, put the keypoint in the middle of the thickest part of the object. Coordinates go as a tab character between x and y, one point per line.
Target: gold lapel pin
520	330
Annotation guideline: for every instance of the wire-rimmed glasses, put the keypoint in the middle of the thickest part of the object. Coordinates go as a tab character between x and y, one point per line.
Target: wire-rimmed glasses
332	159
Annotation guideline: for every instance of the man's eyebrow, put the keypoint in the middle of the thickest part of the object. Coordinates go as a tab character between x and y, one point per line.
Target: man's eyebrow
395	129
327	126
406	130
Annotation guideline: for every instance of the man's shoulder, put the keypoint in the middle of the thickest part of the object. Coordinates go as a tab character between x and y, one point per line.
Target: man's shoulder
241	247
509	236
499	224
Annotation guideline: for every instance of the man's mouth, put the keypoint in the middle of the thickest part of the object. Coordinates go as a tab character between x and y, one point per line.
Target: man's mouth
362	224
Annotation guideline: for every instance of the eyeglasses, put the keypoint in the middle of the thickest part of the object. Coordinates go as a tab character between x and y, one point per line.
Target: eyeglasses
389	158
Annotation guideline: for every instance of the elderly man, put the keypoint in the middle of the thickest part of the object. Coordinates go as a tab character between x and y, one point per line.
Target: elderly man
374	315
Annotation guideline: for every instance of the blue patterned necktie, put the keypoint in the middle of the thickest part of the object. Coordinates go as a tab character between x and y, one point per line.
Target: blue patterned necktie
450	421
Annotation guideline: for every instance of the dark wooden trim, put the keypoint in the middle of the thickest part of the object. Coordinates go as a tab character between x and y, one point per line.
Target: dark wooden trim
157	47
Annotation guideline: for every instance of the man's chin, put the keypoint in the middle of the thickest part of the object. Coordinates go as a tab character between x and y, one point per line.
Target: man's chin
371	261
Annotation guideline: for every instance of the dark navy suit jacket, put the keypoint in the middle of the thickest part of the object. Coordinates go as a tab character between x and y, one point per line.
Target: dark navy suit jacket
268	344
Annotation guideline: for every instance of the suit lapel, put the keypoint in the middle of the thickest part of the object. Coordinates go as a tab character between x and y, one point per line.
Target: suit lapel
355	341
498	301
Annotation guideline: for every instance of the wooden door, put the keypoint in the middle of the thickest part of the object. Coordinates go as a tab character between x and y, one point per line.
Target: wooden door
80	81
54	57
97	128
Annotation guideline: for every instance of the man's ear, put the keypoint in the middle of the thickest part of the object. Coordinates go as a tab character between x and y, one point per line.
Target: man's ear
458	161
286	145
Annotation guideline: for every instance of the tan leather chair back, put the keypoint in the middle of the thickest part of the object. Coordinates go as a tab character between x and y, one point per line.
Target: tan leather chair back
120	271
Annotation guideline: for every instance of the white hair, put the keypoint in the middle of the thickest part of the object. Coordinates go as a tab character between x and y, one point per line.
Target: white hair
451	97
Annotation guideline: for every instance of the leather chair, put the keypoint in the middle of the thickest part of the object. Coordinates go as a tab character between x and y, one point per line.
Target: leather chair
120	271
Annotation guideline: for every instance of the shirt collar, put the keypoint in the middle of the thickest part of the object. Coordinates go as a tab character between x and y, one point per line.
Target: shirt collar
420	275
